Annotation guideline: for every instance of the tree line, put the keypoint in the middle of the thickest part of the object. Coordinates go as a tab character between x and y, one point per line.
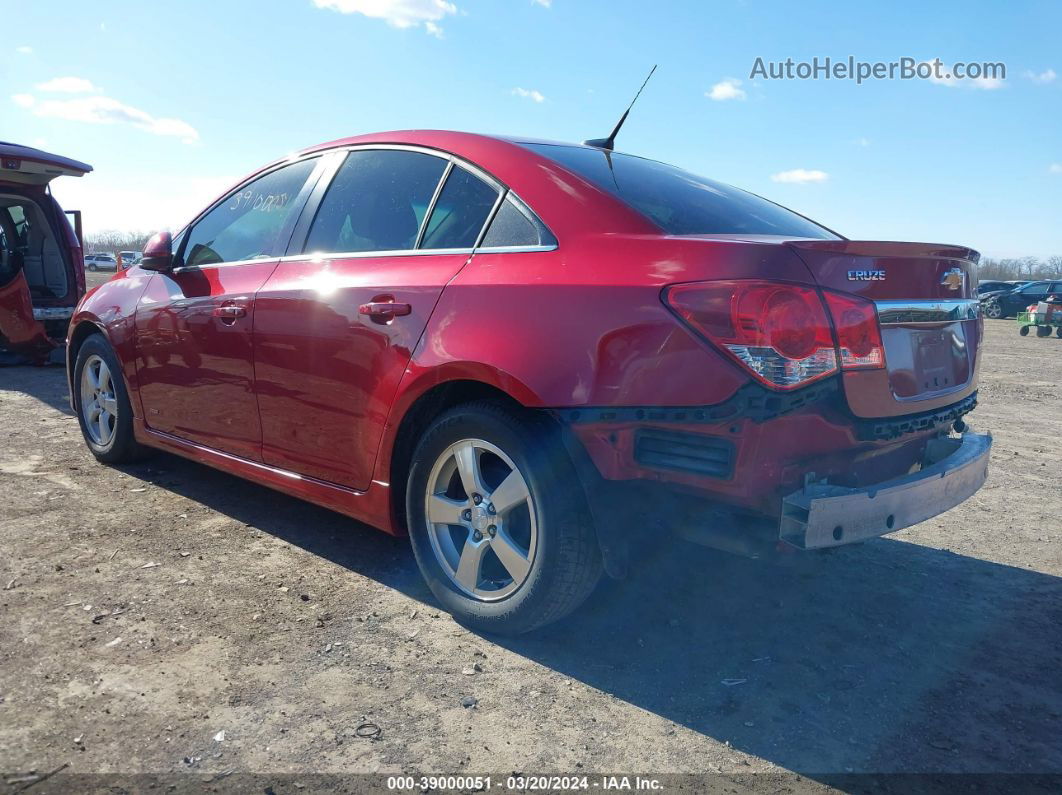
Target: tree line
1023	268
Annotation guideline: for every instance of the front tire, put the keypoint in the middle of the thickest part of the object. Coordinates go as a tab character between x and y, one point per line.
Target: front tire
498	521
102	404
993	310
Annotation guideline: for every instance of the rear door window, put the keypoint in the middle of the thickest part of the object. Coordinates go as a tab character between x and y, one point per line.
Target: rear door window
376	202
250	223
460	212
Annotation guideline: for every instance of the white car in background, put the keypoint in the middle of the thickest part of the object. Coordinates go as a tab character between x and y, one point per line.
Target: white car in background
101	262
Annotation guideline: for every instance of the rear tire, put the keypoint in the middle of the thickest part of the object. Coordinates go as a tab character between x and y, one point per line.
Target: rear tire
1024	331
1058	332
1043	331
520	551
102	404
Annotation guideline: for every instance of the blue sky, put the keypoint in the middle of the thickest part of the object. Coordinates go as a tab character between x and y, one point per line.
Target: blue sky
172	107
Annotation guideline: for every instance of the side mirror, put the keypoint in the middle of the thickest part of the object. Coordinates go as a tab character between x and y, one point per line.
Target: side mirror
158	253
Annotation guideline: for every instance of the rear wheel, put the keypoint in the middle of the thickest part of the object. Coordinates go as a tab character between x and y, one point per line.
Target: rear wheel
498	520
1024	331
1043	331
993	310
102	403
92	266
1058	332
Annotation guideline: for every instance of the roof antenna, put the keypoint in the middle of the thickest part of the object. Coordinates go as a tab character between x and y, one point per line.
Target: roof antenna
608	144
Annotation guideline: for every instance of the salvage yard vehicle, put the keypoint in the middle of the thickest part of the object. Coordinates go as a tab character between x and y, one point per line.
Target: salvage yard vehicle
42	275
505	347
97	262
1009	303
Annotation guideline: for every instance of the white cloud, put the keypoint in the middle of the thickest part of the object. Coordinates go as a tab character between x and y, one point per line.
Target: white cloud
1055	168
982	83
800	175
543	3
24	50
397	13
728	88
1046	76
105	110
68	85
528	94
863	141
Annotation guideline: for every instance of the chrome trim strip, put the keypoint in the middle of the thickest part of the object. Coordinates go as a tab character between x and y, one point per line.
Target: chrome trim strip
895	313
513	249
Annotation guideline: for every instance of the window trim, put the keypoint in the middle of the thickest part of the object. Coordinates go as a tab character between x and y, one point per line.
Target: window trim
296	247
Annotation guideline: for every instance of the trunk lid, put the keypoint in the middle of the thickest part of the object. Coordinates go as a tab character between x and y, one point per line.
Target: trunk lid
928	313
24	165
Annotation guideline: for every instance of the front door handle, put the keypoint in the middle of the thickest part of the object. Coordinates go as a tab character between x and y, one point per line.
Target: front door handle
229	312
382	311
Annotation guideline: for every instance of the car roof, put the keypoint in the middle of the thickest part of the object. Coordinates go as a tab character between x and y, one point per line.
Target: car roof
564	200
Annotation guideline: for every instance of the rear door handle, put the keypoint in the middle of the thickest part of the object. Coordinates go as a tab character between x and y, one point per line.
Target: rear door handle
384	310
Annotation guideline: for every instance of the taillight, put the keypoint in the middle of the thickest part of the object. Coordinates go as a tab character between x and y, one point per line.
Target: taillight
779	332
858	333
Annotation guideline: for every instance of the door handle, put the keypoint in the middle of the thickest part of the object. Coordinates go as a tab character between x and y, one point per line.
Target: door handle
384	310
230	312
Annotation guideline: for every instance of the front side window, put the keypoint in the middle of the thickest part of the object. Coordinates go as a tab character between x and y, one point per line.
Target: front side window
1034	288
678	202
376	202
460	211
248	224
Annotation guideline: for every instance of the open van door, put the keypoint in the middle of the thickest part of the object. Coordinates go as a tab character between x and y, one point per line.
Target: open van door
41	266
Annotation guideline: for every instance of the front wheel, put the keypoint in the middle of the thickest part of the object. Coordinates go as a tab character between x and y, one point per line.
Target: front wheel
102	404
498	520
993	310
1024	331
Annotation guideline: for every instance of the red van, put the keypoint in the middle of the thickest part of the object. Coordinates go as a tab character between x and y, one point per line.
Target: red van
42	274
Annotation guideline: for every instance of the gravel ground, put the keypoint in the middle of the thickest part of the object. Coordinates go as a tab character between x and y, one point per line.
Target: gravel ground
166	618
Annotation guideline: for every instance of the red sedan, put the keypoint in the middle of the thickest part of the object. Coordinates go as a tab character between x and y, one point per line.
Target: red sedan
534	357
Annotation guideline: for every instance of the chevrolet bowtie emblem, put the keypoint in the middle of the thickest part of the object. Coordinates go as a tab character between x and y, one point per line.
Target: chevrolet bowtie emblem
954	279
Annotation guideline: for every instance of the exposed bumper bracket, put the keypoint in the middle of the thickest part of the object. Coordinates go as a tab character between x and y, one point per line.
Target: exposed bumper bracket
823	515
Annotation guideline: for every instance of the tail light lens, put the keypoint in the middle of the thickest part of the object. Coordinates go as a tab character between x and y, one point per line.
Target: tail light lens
778	332
781	332
858	333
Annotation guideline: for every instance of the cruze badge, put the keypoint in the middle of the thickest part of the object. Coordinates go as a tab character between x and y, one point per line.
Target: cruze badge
953	279
866	276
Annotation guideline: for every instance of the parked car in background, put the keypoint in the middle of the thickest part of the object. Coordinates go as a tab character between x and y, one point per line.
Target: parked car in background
101	262
129	258
990	286
512	350
1009	303
42	275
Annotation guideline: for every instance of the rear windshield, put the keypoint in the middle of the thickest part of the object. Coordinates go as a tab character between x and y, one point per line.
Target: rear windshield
679	202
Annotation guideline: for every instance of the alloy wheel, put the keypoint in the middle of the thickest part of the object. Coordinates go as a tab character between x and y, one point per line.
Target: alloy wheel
993	310
481	519
99	403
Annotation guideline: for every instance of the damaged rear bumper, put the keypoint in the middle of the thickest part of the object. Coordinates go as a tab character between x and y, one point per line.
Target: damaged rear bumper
823	515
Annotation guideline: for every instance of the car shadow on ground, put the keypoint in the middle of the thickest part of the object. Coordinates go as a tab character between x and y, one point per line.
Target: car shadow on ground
884	657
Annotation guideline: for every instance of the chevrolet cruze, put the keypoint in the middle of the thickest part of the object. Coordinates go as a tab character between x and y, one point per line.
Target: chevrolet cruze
533	358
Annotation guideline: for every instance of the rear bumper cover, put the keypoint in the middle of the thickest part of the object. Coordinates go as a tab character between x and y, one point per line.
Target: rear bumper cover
822	515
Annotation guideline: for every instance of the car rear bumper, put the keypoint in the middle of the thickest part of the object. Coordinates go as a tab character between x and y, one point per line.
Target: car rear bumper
822	515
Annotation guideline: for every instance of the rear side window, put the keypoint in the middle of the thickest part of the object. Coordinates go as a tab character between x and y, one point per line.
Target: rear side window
460	211
249	223
515	226
376	202
678	202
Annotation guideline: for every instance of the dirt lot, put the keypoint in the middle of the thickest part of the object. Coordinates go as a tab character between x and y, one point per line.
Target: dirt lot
167	618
